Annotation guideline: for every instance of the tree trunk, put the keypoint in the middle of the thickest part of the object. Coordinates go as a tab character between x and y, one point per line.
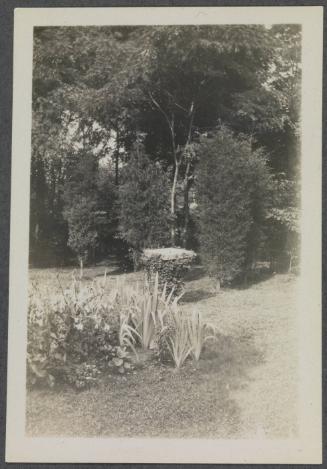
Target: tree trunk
290	263
186	215
186	208
117	167
216	285
80	267
173	206
187	180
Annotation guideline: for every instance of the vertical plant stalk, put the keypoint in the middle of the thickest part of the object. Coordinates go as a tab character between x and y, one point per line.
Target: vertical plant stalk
197	334
81	267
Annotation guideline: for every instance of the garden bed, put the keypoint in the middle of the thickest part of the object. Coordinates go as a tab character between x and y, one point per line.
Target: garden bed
243	385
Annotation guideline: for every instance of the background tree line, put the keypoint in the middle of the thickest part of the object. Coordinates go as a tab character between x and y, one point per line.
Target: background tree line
166	136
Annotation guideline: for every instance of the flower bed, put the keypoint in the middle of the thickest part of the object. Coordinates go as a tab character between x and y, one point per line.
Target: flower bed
90	329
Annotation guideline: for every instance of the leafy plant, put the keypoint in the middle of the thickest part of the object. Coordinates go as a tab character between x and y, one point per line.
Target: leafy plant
149	314
182	335
84	325
120	360
178	342
128	335
162	338
82	376
198	330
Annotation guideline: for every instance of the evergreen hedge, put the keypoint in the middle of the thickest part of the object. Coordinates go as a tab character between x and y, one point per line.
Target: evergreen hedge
233	192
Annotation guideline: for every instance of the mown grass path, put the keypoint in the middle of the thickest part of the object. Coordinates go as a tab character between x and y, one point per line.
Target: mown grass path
245	385
263	320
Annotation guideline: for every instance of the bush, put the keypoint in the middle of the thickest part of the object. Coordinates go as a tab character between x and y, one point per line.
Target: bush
144	216
80	328
170	264
233	190
81	221
81	204
283	220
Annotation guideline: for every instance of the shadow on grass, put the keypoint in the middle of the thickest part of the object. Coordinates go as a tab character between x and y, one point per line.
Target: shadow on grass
192	296
253	278
195	273
156	401
238	354
116	270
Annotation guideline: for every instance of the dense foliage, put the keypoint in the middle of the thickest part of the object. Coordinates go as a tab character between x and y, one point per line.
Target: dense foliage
234	194
143	201
100	91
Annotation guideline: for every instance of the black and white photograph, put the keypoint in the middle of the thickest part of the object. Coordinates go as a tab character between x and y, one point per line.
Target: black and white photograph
166	210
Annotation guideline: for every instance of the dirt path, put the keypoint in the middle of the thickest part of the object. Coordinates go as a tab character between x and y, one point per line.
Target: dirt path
263	317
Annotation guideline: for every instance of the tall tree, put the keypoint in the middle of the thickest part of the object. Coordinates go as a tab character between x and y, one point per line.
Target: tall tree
172	84
193	73
81	204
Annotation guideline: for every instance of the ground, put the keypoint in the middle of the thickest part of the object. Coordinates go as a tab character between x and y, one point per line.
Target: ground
243	387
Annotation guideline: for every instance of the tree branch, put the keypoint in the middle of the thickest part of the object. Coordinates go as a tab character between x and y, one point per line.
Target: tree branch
171	125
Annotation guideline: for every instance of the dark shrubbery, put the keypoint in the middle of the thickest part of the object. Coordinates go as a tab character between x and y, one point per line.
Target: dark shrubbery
233	189
283	224
144	203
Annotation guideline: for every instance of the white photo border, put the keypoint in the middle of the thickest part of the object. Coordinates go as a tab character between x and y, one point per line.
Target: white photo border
307	449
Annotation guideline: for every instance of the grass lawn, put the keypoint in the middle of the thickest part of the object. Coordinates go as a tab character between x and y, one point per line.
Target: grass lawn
243	386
